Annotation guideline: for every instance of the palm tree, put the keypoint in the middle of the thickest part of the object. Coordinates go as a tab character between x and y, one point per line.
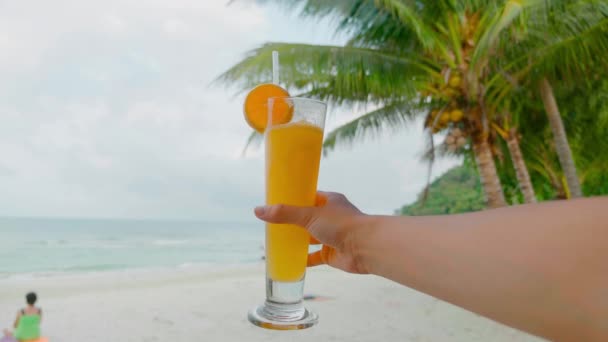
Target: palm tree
561	140
586	119
443	50
564	41
512	138
585	116
396	50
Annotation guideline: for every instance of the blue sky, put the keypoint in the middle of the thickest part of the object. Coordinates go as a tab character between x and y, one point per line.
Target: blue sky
107	111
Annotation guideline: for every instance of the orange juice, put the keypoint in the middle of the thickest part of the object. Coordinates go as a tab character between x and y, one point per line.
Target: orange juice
293	153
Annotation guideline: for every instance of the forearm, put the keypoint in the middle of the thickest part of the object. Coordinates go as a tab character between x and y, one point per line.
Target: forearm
541	268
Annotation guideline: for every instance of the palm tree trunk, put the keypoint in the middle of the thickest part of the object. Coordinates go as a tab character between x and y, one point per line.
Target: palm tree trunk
561	140
521	170
489	177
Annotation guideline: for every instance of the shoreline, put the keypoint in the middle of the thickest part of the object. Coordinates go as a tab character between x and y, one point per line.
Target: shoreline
198	266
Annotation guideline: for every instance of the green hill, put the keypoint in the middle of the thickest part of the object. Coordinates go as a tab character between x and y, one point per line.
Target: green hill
456	191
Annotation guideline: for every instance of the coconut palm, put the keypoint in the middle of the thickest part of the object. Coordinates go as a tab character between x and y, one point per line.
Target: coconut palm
564	41
442	50
561	140
512	137
397	50
586	120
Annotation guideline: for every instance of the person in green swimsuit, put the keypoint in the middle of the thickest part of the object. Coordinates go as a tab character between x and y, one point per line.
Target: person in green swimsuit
27	323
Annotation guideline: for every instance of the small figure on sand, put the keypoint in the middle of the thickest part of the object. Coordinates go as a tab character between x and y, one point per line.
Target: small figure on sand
27	323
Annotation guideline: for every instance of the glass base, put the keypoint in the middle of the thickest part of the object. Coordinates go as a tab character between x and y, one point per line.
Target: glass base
284	308
282	316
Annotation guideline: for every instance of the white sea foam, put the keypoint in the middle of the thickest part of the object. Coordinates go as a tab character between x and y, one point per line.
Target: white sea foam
76	246
170	242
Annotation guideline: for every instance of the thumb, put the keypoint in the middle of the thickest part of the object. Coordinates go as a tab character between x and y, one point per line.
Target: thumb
280	213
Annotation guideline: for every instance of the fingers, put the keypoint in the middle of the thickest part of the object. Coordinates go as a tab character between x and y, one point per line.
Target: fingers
321	199
301	216
338	199
330	195
320	257
315	259
280	213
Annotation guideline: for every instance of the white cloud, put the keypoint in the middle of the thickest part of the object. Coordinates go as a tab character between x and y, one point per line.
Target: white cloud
112	24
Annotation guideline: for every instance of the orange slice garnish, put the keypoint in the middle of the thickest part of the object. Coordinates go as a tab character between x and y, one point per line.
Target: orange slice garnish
256	107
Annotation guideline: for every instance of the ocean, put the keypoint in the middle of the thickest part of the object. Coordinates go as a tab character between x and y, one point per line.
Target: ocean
45	247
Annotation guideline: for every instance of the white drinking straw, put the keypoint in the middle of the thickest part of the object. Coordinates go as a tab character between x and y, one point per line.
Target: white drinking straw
275	67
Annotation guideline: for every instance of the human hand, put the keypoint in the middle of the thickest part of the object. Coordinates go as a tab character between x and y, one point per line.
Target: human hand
333	222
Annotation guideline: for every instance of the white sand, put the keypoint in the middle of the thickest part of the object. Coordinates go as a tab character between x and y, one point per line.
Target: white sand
203	305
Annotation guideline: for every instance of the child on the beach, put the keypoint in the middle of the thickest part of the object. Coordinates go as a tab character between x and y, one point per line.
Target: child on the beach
27	322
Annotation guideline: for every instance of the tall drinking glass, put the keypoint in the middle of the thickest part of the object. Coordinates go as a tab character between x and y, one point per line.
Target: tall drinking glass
293	154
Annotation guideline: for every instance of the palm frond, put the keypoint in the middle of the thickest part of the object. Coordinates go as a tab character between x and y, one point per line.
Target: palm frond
409	14
381	30
254	140
566	42
392	116
336	73
311	8
495	24
429	156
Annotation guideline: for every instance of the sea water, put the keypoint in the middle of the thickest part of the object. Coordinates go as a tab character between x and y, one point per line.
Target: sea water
44	247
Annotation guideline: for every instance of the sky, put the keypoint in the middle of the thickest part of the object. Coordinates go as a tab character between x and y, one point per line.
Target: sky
107	111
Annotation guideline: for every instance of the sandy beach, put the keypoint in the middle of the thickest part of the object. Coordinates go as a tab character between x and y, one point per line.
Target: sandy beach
205	304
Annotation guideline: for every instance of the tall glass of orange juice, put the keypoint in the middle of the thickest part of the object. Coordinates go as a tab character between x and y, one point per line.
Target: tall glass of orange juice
293	154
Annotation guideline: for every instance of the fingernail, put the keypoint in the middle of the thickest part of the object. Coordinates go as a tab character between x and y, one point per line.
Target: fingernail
259	211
